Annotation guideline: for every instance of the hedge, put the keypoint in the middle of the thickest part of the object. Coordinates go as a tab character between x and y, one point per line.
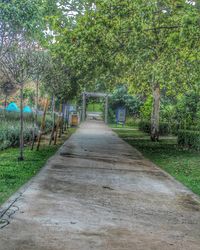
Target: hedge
10	132
145	126
189	138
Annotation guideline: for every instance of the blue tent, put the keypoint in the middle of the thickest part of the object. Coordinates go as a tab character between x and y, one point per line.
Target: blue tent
27	109
12	107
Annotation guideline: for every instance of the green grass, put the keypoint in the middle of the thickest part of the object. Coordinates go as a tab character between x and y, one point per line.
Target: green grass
13	173
96	107
120	126
131	123
184	165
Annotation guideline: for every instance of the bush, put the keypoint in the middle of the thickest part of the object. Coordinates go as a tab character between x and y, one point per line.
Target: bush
48	123
111	116
10	134
10	130
131	121
146	109
15	116
145	126
189	138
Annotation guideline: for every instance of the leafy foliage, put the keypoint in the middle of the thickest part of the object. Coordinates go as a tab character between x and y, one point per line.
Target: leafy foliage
10	132
189	138
121	98
145	126
188	110
10	129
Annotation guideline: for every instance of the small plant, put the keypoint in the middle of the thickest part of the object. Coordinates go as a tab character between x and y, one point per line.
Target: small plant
10	128
10	133
189	139
145	126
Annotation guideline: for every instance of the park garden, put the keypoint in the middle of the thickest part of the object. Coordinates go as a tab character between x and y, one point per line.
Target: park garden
144	55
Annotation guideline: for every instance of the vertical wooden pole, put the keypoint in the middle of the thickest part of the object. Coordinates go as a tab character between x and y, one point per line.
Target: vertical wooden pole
65	117
43	124
54	121
52	134
61	121
106	109
21	146
35	126
57	125
84	107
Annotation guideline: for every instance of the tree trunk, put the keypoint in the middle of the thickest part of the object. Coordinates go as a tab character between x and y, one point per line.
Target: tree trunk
53	110
155	113
36	103
5	102
54	120
35	126
21	146
65	117
61	121
42	128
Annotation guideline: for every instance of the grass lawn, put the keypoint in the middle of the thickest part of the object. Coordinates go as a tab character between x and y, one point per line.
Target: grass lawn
182	164
14	174
120	126
94	107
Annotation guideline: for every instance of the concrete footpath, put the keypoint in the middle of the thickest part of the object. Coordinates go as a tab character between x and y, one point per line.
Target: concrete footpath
99	193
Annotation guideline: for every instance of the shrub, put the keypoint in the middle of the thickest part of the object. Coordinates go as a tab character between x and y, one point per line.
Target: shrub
189	138
10	131
10	134
48	123
131	121
145	126
15	116
146	109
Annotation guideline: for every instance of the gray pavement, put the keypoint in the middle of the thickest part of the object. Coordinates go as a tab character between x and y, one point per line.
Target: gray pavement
99	193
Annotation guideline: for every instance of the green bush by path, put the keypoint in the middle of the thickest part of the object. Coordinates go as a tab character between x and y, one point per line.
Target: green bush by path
10	129
145	126
131	122
189	138
10	133
183	165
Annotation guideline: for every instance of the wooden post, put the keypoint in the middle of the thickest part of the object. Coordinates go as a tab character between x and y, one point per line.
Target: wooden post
21	154
42	124
57	125
35	126
52	134
106	109
65	117
54	120
61	121
84	107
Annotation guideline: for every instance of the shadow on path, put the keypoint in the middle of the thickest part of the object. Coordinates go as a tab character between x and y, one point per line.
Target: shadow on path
99	193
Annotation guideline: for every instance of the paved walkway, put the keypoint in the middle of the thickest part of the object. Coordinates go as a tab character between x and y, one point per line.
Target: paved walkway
99	193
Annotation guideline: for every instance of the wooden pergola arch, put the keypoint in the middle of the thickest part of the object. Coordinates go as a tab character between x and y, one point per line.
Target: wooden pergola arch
94	94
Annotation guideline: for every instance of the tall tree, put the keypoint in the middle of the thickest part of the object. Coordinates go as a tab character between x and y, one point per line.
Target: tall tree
7	87
151	45
16	64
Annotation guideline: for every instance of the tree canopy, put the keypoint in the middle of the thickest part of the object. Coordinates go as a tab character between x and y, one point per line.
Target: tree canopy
150	46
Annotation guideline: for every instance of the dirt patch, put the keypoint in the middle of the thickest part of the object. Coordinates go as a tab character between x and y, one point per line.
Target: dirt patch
188	202
107	187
